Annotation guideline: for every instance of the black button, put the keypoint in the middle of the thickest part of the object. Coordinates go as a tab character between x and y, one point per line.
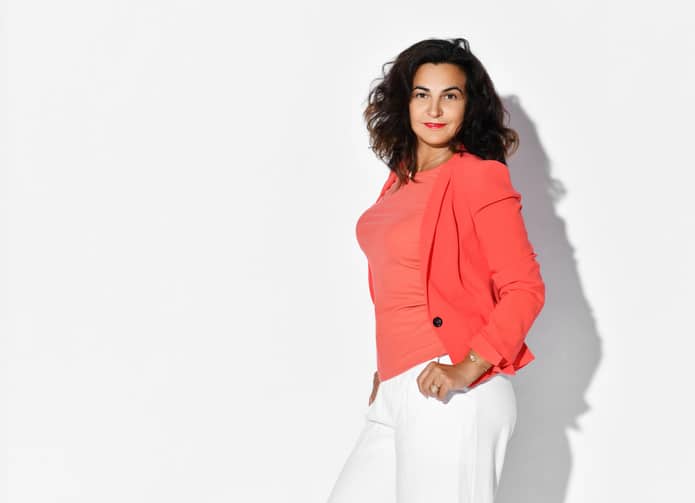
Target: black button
437	321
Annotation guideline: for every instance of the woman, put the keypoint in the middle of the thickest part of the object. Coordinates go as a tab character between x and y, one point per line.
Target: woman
454	281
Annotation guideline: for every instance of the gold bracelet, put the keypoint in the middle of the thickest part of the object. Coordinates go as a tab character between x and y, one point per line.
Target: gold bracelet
476	360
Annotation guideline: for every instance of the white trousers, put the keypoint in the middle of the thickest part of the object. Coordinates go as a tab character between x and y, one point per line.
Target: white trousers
414	449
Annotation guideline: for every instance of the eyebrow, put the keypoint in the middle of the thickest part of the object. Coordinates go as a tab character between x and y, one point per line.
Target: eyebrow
443	90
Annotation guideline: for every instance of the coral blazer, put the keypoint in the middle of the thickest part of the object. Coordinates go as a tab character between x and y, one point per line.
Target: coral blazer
483	285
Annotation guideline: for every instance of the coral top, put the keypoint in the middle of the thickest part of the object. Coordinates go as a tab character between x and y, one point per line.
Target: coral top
389	234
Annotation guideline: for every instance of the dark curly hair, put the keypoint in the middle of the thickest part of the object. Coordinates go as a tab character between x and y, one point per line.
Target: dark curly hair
388	119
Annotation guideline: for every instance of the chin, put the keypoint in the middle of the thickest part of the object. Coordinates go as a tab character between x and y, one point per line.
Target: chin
434	136
436	140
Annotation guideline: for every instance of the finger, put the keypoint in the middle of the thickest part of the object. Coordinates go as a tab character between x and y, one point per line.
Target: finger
434	376
447	383
428	387
437	377
443	391
419	378
423	379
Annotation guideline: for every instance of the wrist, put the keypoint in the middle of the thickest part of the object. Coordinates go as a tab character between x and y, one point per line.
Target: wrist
479	361
469	372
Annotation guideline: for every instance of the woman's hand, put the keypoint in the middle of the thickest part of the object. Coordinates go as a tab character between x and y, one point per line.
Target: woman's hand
448	377
375	387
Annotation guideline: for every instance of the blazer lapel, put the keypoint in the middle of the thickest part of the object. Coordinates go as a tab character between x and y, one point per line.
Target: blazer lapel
430	218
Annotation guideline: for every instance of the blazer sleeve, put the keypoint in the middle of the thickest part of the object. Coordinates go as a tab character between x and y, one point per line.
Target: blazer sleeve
517	284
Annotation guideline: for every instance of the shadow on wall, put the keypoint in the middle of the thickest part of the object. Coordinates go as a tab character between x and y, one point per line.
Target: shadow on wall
550	390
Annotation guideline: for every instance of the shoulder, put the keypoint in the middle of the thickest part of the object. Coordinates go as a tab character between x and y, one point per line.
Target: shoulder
483	181
481	172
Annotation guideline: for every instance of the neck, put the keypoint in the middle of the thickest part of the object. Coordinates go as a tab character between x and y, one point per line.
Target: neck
427	159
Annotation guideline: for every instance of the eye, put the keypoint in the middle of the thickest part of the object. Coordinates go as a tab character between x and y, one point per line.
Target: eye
420	94
453	96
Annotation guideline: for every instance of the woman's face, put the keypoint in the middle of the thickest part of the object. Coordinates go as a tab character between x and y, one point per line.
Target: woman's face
437	103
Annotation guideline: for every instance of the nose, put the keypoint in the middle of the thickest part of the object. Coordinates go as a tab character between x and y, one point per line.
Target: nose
434	110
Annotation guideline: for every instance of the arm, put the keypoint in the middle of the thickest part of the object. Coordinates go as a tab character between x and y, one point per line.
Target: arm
472	367
515	277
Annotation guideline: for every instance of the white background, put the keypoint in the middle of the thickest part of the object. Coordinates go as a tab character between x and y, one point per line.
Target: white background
185	310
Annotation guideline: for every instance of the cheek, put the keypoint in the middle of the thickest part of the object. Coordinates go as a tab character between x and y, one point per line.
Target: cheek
457	112
415	115
457	117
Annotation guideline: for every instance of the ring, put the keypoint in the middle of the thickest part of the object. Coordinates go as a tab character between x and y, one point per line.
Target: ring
434	388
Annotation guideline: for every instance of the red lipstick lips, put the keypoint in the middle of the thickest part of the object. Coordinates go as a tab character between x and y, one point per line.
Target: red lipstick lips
434	125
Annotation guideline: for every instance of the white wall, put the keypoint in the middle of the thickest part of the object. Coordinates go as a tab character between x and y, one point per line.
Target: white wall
185	306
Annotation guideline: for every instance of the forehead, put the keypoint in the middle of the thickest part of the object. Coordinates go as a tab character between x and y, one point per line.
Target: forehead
439	75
